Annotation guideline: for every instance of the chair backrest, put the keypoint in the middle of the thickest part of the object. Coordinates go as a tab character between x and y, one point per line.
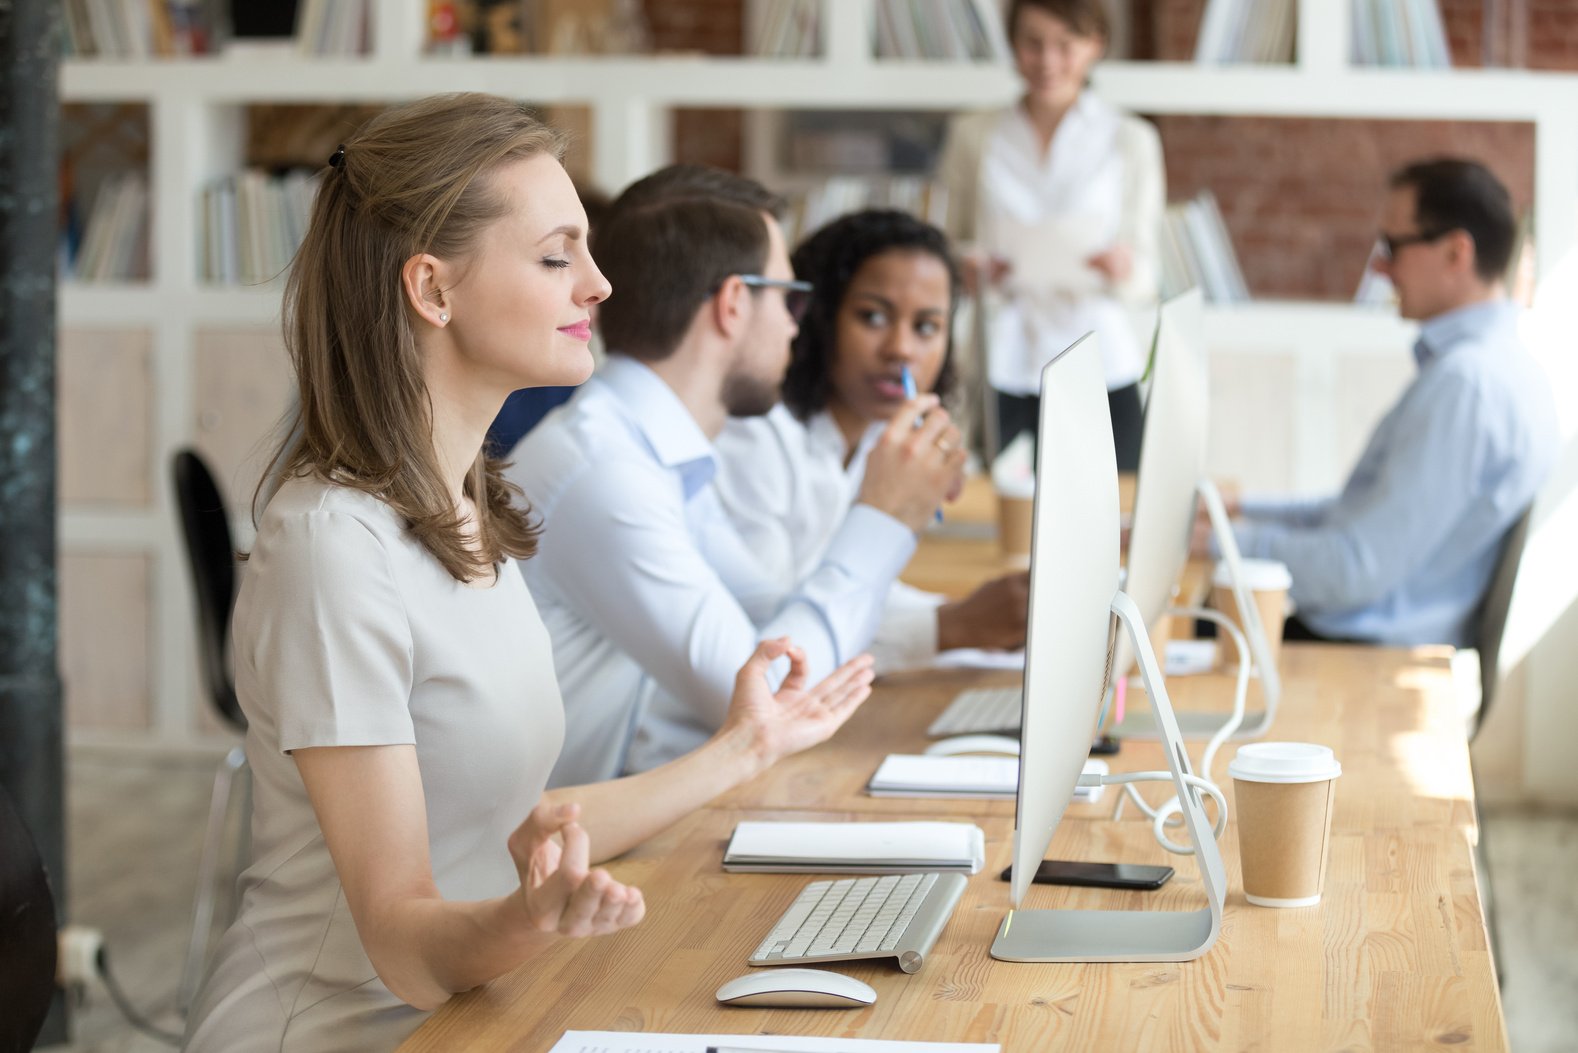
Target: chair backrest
27	934
1491	623
212	557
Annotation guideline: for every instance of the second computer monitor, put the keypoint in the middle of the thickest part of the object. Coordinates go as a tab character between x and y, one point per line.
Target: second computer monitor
1172	462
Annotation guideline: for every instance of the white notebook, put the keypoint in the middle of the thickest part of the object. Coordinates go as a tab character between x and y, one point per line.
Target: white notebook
855	848
918	775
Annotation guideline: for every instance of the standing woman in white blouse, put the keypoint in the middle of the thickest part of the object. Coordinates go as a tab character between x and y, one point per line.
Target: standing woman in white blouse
402	709
1061	164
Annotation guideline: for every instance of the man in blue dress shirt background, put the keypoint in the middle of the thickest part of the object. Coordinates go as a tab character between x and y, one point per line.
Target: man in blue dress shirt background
1404	553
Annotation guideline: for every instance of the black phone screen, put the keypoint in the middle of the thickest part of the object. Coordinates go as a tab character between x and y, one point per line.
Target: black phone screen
1098	875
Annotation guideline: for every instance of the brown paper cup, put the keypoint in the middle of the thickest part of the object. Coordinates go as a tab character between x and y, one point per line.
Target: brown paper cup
1015	516
1273	606
1284	793
1268	582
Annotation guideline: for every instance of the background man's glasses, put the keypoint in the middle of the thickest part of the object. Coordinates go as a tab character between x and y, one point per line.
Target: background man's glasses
1391	244
797	294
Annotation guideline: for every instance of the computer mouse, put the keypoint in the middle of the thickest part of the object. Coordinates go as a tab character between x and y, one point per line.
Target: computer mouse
797	989
999	744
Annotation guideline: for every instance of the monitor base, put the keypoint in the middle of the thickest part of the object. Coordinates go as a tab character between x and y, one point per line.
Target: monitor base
1104	936
1132	936
1138	724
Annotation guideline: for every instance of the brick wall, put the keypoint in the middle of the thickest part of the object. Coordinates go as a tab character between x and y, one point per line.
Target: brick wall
1302	197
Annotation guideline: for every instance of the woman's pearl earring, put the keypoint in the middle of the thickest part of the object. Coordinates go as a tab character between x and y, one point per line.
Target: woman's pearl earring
443	316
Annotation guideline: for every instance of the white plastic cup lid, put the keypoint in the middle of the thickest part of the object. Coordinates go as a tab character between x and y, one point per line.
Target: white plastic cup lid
1284	762
1260	575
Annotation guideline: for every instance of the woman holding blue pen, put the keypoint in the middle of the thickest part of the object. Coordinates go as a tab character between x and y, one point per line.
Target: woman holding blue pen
875	338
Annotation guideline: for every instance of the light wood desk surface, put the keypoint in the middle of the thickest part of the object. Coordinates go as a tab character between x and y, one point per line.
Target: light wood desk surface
1394	957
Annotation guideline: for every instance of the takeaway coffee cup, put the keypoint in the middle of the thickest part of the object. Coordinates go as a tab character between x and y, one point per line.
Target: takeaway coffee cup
1268	582
1015	516
1284	793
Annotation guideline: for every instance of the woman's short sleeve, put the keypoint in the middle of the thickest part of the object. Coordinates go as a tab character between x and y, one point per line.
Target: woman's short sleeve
329	637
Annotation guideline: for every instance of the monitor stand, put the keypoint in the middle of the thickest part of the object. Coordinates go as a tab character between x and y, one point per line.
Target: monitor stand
1139	724
1132	935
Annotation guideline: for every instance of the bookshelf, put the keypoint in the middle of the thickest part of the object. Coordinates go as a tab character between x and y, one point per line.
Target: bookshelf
212	373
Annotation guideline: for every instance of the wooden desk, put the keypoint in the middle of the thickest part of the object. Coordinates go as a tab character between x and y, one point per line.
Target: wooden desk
1394	957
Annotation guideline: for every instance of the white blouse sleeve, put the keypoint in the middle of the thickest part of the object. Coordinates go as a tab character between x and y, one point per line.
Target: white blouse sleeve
331	644
1144	204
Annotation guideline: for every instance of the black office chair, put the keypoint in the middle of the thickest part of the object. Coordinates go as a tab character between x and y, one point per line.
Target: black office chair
1491	623
1490	626
211	555
27	934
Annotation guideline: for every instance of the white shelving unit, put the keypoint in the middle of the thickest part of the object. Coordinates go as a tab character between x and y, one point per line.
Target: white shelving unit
195	111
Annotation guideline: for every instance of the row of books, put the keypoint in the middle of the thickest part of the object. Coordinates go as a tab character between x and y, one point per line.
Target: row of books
1399	33
959	30
333	27
112	243
940	29
1247	31
139	28
787	28
1197	252
826	201
251	225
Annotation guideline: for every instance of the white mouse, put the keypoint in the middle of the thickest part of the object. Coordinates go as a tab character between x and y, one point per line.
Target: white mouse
797	989
1001	744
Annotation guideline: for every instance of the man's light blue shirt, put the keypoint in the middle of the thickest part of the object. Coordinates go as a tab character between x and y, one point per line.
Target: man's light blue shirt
652	599
1405	552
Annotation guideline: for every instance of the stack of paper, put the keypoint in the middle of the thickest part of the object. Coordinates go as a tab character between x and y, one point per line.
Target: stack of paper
855	848
914	775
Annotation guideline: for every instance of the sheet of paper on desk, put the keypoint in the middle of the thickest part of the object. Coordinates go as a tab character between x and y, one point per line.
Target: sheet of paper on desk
855	848
627	1042
966	775
1190	657
977	658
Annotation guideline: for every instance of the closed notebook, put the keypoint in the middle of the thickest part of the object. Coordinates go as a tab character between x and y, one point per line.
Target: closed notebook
855	848
919	775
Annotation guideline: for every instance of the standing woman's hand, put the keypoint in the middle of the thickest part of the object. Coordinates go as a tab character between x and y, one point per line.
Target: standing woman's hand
795	717
982	271
559	893
1115	264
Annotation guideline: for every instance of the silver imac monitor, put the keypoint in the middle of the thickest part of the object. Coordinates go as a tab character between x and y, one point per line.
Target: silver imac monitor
1073	574
1172	461
1073	596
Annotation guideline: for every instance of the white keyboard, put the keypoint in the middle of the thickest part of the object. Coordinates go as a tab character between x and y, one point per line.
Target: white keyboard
981	710
895	916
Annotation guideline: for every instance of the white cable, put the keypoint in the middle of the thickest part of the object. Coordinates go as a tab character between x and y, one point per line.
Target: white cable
1171	813
1206	786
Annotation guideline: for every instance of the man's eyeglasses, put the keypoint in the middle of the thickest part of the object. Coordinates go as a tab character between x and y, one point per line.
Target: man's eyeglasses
1391	244
797	294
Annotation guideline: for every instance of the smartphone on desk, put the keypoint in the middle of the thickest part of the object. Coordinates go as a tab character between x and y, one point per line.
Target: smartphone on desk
1098	875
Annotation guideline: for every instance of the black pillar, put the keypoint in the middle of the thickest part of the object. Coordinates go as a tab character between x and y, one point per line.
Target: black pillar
30	697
